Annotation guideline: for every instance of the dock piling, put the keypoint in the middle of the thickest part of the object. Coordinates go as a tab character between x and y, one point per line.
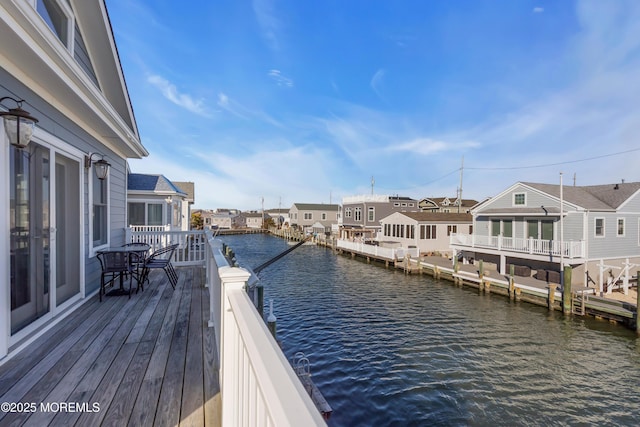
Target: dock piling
271	320
566	291
552	295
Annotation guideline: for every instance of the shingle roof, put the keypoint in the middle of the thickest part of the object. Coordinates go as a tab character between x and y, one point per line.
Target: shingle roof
438	216
188	188
157	183
592	197
316	207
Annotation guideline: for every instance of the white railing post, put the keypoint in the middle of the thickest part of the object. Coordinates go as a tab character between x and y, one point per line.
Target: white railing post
231	278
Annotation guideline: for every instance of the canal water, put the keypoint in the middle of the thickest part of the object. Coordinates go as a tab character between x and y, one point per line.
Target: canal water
389	349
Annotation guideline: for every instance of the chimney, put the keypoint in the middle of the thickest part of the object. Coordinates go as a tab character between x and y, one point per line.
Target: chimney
616	187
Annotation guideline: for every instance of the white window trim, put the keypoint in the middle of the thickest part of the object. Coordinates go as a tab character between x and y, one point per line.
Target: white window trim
595	227
624	227
94	249
513	199
71	23
371	209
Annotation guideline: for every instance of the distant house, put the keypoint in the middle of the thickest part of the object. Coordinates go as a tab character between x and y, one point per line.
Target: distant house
446	204
155	201
225	219
190	189
63	192
428	231
361	214
598	236
305	215
254	219
280	216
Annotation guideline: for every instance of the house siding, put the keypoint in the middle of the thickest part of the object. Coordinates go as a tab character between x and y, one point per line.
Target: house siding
611	245
59	126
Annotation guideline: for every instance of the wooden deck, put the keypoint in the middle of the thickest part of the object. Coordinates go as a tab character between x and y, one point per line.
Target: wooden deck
148	360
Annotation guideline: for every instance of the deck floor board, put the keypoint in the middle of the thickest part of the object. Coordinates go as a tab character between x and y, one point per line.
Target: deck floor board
148	360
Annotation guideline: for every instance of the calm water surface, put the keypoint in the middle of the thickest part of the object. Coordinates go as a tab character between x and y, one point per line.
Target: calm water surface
393	350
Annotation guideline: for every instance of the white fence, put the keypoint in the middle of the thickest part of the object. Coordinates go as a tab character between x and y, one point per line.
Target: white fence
377	251
569	249
257	384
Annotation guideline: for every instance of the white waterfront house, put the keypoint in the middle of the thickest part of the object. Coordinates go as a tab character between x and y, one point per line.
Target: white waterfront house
429	232
63	192
594	229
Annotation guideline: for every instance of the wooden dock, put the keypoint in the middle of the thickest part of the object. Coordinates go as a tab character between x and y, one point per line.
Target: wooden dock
148	360
517	288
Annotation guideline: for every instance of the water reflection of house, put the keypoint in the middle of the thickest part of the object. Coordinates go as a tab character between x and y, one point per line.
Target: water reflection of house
61	59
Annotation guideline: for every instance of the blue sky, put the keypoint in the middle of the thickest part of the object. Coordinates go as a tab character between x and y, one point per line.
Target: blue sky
300	101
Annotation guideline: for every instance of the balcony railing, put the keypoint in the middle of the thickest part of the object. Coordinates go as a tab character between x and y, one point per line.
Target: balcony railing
377	251
257	384
569	249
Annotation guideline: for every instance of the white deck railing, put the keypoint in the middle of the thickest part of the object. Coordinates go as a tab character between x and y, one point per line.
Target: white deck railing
377	251
569	249
257	384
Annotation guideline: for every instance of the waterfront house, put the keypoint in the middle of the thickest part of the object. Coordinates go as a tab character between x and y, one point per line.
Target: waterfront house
155	203
225	219
280	216
305	215
189	188
446	204
361	214
254	219
64	189
599	235
429	232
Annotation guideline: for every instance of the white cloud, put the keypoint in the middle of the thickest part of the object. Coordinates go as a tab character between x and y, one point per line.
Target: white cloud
268	22
170	92
538	9
376	82
276	76
427	146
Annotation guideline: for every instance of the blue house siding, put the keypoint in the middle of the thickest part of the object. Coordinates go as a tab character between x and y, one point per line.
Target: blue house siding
612	245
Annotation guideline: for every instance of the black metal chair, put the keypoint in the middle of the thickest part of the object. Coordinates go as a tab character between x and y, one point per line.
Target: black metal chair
137	260
114	265
162	259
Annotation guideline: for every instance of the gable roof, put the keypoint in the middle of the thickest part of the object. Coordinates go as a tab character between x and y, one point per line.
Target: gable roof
592	197
152	183
188	188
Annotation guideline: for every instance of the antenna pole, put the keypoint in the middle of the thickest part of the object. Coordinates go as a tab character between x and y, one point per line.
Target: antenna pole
460	190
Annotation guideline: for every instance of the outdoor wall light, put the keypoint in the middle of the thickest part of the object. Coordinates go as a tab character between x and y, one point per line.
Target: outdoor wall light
18	123
101	166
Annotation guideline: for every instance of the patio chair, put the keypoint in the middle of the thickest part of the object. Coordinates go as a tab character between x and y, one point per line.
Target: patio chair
114	265
162	259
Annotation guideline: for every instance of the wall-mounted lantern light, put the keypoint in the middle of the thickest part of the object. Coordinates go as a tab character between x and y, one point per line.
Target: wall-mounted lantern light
101	166
18	123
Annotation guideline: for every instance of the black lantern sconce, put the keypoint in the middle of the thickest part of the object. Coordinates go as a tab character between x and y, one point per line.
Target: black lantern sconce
101	166
18	124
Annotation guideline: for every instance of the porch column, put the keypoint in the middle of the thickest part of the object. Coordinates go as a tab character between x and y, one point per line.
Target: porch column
503	264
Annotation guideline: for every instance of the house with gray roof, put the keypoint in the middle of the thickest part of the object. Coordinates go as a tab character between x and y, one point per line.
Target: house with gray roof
305	215
446	204
190	189
542	227
154	203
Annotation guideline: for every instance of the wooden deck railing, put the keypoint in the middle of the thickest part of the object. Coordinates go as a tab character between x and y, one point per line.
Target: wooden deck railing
257	384
569	249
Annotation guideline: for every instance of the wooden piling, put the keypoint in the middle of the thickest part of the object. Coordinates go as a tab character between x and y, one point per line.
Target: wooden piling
566	291
260	291
552	296
518	292
271	321
638	303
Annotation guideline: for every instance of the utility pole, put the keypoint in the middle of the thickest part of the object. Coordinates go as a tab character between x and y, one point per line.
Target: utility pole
373	181
262	200
460	190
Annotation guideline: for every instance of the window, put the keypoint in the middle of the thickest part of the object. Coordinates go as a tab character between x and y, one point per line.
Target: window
347	212
451	229
136	214
411	229
358	214
620	227
599	227
396	205
371	215
308	215
519	199
532	228
471	229
507	228
154	214
100	217
427	231
324	216
55	17
495	227
410	205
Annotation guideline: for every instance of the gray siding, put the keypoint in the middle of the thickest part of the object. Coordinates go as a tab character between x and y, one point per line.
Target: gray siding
82	56
632	205
60	126
612	245
534	200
